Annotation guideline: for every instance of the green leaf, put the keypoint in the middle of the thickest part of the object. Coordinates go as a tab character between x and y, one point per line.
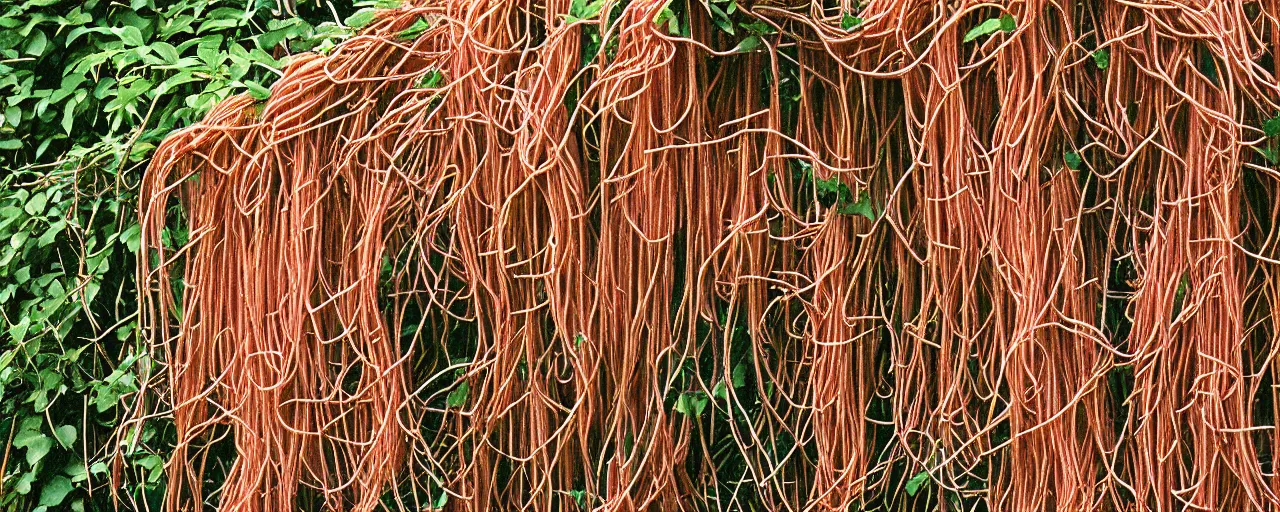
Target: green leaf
1102	58
862	207
1270	155
582	10
692	403
68	116
1007	23
10	144
739	375
914	484
458	397
1072	160
579	497
1271	127
129	35
257	91
721	391
30	431
55	490
165	51
154	466
984	28
37	448
37	203
1180	295
849	22
106	398
66	435
430	80
414	30
76	471
360	18
668	17
37	43
23	486
441	501
131	237
748	44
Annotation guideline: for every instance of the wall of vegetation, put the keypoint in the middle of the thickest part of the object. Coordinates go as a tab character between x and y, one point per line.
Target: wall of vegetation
87	90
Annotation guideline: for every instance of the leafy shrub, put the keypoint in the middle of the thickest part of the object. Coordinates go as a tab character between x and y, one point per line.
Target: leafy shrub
90	87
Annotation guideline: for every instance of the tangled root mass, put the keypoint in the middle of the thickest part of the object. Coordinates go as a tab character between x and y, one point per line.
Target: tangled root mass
732	255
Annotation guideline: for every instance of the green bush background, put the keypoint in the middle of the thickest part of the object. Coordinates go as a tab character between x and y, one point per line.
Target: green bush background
87	91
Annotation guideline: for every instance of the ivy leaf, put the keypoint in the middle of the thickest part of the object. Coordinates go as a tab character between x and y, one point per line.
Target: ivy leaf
430	80
55	490
721	391
37	43
849	22
1072	160
37	203
982	29
1007	23
458	397
38	448
30	431
414	30
360	18
23	486
862	207
748	44
66	435
129	35
721	18
914	484
257	91
990	26
165	51
692	403
668	17
1102	58
131	237
581	10
1271	127
76	471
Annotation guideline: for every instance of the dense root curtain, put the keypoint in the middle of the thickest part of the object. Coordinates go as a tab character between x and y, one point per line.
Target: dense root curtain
664	255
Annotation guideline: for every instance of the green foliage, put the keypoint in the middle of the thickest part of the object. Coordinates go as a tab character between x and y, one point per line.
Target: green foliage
1102	58
692	403
834	193
1004	23
849	22
90	88
1073	160
916	482
669	17
583	10
458	397
1270	129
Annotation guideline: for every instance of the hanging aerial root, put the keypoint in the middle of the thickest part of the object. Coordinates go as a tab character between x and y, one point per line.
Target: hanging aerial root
665	255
